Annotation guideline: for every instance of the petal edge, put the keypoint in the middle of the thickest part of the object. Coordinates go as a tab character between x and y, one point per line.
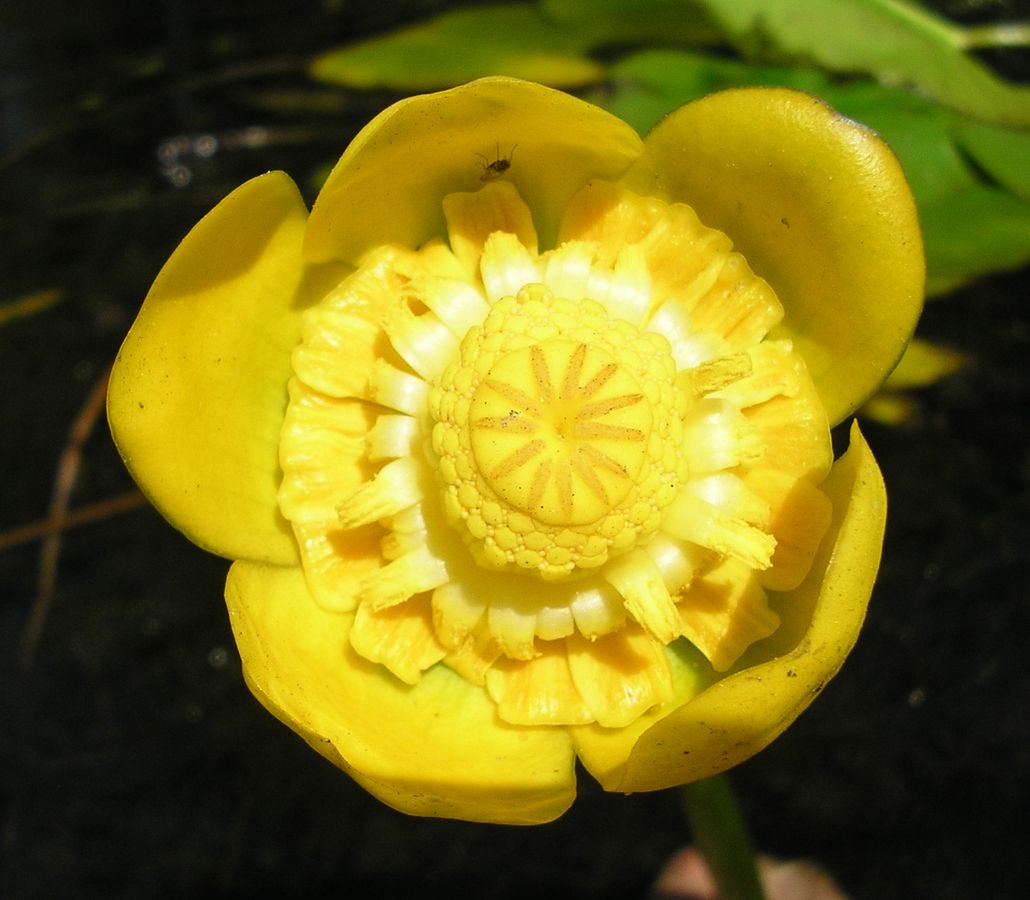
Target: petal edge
198	390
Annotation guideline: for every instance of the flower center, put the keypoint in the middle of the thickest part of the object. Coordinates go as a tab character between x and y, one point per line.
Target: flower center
558	431
556	434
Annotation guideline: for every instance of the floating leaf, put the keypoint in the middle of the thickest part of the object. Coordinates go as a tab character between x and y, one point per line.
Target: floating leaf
462	45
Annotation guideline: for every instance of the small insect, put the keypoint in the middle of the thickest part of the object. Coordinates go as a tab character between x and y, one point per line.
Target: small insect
498	167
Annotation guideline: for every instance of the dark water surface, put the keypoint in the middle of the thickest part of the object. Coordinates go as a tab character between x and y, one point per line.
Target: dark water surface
133	761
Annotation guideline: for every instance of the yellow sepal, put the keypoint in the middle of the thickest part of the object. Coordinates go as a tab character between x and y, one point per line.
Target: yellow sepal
433	749
394	173
198	391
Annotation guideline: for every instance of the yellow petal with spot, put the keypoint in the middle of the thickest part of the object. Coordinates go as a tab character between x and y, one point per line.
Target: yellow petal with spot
338	562
724	612
394	173
636	576
620	675
539	691
399	637
819	207
783	412
777	678
198	391
432	749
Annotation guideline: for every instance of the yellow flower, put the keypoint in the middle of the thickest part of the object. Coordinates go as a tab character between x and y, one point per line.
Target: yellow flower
520	441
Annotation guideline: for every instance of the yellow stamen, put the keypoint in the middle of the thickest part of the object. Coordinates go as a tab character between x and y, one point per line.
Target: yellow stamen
514	629
554	622
597	611
392	437
677	561
456	613
506	266
421	339
434	277
713	376
715	512
457	304
389	386
716	436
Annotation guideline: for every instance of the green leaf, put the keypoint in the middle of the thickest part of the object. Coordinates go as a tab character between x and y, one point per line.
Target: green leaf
626	22
648	85
1003	153
459	46
898	42
972	233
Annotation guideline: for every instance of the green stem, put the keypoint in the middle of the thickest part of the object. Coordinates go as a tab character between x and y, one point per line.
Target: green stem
722	838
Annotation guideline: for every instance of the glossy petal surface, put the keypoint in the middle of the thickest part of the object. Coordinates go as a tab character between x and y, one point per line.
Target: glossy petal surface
435	749
198	391
388	185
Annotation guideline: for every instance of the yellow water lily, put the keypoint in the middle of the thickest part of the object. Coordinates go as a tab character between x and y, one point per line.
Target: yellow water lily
520	441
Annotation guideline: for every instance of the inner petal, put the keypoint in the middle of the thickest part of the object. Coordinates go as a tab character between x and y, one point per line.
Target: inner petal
545	469
539	691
